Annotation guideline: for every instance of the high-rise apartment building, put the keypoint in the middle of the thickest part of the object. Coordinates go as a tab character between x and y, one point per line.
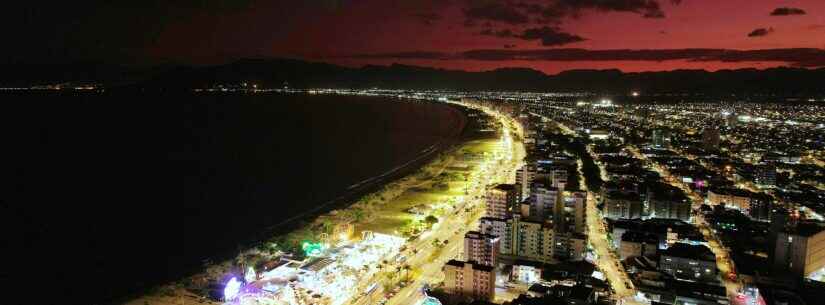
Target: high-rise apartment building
546	204
688	262
800	250
500	199
501	228
469	280
524	177
481	248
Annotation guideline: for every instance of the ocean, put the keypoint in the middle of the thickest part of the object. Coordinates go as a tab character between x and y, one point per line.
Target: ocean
114	192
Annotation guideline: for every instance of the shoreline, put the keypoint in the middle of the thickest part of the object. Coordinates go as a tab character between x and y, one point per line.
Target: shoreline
374	184
352	196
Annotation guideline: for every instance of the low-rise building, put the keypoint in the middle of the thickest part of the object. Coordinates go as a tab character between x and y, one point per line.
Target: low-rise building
667	231
688	262
667	201
755	205
526	272
621	205
635	244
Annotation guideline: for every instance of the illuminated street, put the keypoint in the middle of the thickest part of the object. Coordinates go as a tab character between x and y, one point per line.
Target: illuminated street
605	258
723	262
499	170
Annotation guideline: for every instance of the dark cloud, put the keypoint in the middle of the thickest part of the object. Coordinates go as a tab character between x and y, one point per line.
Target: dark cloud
550	36
428	18
574	8
509	46
760	32
787	11
800	57
496	11
552	12
404	55
591	55
657	14
796	57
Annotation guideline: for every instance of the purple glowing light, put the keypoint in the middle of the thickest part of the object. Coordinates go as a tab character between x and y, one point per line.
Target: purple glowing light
230	292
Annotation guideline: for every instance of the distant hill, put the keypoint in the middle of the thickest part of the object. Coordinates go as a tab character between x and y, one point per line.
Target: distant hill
304	74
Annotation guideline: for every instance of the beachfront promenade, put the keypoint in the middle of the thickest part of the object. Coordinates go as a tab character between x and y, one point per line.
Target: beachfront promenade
508	155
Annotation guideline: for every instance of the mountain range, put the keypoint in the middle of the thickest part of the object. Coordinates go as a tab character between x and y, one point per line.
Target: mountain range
294	73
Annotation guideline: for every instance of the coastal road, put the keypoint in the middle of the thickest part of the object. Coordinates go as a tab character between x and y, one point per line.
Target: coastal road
453	228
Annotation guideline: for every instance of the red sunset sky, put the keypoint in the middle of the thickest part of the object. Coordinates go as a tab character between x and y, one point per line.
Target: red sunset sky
437	32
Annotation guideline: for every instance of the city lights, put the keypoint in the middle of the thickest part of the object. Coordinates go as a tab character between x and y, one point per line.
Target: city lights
313	249
233	287
375	152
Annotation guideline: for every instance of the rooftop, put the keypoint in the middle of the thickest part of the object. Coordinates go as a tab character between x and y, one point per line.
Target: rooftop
581	292
618	195
809	229
735	192
505	187
697	252
476	266
639	236
662	191
479	235
318	264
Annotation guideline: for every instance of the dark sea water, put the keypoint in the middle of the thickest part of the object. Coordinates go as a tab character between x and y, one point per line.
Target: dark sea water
110	193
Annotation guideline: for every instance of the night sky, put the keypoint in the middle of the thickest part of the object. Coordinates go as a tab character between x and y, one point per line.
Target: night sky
552	36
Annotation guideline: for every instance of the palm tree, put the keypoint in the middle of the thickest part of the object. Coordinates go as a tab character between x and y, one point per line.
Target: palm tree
407	270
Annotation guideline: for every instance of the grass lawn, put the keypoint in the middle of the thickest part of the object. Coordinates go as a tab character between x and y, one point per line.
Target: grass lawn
392	215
